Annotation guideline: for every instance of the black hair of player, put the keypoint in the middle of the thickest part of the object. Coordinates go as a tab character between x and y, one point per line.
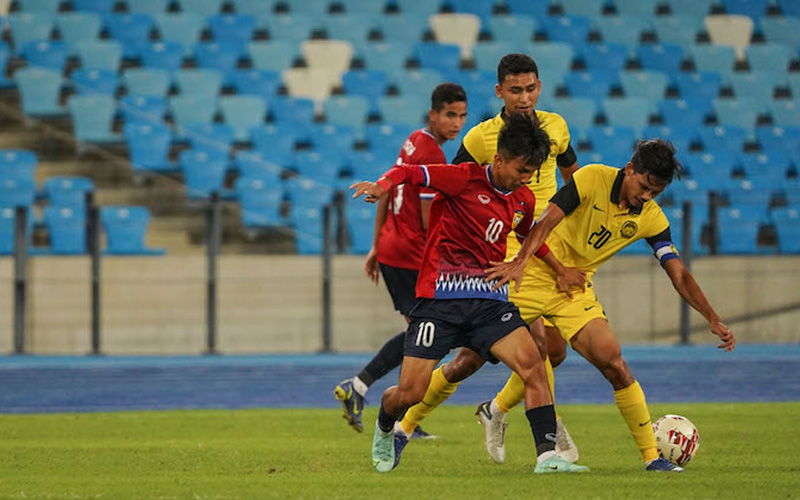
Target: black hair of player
656	158
523	137
447	93
515	64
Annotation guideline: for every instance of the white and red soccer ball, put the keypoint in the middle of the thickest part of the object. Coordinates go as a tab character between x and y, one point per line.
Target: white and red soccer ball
677	438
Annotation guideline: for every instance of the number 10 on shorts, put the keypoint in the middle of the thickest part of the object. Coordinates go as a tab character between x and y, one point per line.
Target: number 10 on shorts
425	334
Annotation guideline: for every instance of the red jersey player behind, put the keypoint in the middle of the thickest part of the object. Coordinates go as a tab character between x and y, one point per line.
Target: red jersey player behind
401	225
475	210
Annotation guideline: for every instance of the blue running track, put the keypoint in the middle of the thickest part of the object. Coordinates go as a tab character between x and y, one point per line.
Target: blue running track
43	384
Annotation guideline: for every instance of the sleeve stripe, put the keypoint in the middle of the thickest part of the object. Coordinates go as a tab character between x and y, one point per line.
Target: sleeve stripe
427	175
427	196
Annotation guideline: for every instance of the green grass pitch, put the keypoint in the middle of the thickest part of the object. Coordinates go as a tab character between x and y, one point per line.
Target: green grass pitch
746	451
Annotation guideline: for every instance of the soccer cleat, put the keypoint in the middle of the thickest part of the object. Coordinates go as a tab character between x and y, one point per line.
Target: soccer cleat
557	464
400	442
352	402
421	434
662	465
383	454
564	444
494	428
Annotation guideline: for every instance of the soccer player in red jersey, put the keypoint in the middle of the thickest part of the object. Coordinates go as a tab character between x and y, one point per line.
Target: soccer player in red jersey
477	206
401	225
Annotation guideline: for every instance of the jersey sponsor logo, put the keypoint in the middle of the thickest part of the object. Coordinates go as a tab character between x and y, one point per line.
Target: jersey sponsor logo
506	317
628	230
484	199
518	216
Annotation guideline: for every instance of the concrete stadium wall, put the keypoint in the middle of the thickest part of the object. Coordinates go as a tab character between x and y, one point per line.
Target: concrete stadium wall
273	303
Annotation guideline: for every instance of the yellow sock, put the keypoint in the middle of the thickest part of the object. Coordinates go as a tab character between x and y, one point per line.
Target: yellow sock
514	391
633	407
438	391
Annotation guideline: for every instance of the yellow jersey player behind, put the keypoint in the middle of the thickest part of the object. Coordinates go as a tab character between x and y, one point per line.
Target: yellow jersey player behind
519	87
602	210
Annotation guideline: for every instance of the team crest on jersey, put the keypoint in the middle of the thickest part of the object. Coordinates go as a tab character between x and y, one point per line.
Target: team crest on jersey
628	230
484	199
518	216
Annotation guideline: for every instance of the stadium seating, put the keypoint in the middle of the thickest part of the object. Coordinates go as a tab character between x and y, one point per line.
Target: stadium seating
191	110
329	55
273	141
46	54
148	146
741	112
633	112
142	109
754	9
649	84
255	165
202	83
95	81
7	228
30	27
132	31
753	85
458	29
243	112
233	29
512	29
684	113
125	228
785	113
68	191
43	6
100	54
408	109
346	110
5	53
360	218
623	29
700	84
666	57
732	30
183	29
146	82
274	55
787	224
606	56
104	7
152	7
260	201
737	232
294	27
311	83
76	27
437	56
579	112
353	28
92	117
773	58
167	56
729	138
678	29
616	142
18	165
219	56
214	137
67	229
202	8
16	192
203	171
39	90
680	137
568	29
403	29
782	29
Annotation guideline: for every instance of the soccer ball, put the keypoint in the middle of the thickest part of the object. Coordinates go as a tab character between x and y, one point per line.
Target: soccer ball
677	438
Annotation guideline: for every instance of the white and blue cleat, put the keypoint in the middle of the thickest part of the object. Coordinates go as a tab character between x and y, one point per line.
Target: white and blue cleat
662	465
352	403
384	457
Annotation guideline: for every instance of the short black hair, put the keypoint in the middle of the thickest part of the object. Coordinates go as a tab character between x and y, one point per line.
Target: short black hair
522	136
515	64
447	93
656	158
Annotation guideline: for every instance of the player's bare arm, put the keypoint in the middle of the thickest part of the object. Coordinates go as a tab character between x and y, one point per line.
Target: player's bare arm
687	287
513	270
372	191
566	277
371	267
566	172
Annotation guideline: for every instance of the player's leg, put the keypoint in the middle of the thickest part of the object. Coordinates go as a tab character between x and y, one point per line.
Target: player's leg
597	343
443	384
556	345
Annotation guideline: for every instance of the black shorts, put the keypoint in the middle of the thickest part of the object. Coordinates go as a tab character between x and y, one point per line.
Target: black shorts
402	286
437	326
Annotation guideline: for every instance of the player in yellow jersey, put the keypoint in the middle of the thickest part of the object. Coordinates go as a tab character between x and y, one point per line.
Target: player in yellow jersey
519	87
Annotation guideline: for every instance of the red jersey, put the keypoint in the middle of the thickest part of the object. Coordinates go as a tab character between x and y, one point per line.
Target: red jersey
402	239
470	221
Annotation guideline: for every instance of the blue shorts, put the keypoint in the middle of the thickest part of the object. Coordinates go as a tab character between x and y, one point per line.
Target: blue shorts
402	284
438	325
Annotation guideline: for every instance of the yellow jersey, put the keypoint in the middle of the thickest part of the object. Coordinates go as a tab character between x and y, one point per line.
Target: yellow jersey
597	227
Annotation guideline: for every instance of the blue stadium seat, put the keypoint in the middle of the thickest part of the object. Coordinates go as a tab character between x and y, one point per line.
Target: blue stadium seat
755	9
234	29
366	165
198	82
487	55
438	56
152	7
94	81
778	138
39	90
684	113
76	27
680	137
260	201
167	56
67	229
753	85
385	140
361	7
772	58
702	85
188	110
591	8
17	192
389	57
68	191
616	159
274	142
7	225
45	54
309	192
92	117
691	8
291	27
408	109
481	8
789	8
593	84
243	112
125	228
680	30
346	110
299	110
641	8
624	29
18	164
307	224
337	139
254	165
5	53
361	225
183	29
787	224
740	112
259	9
785	113
143	108
604	57
42	6
147	81
714	58
263	83
323	168
737	234
579	112
213	137
633	112
419	82
612	141
309	7
368	83
644	83
203	171
723	138
103	7
769	166
30	27
275	55
132	31
665	57
573	29
752	194
202	8
553	59
404	29
794	84
421	10
354	28
712	170
100	54
148	146
221	56
512	29
781	29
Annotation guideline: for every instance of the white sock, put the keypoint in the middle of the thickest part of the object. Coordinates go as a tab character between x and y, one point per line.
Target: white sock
495	410
399	428
359	386
544	456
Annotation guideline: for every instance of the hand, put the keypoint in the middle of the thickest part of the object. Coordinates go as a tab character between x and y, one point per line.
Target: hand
569	277
724	333
371	266
504	272
372	191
